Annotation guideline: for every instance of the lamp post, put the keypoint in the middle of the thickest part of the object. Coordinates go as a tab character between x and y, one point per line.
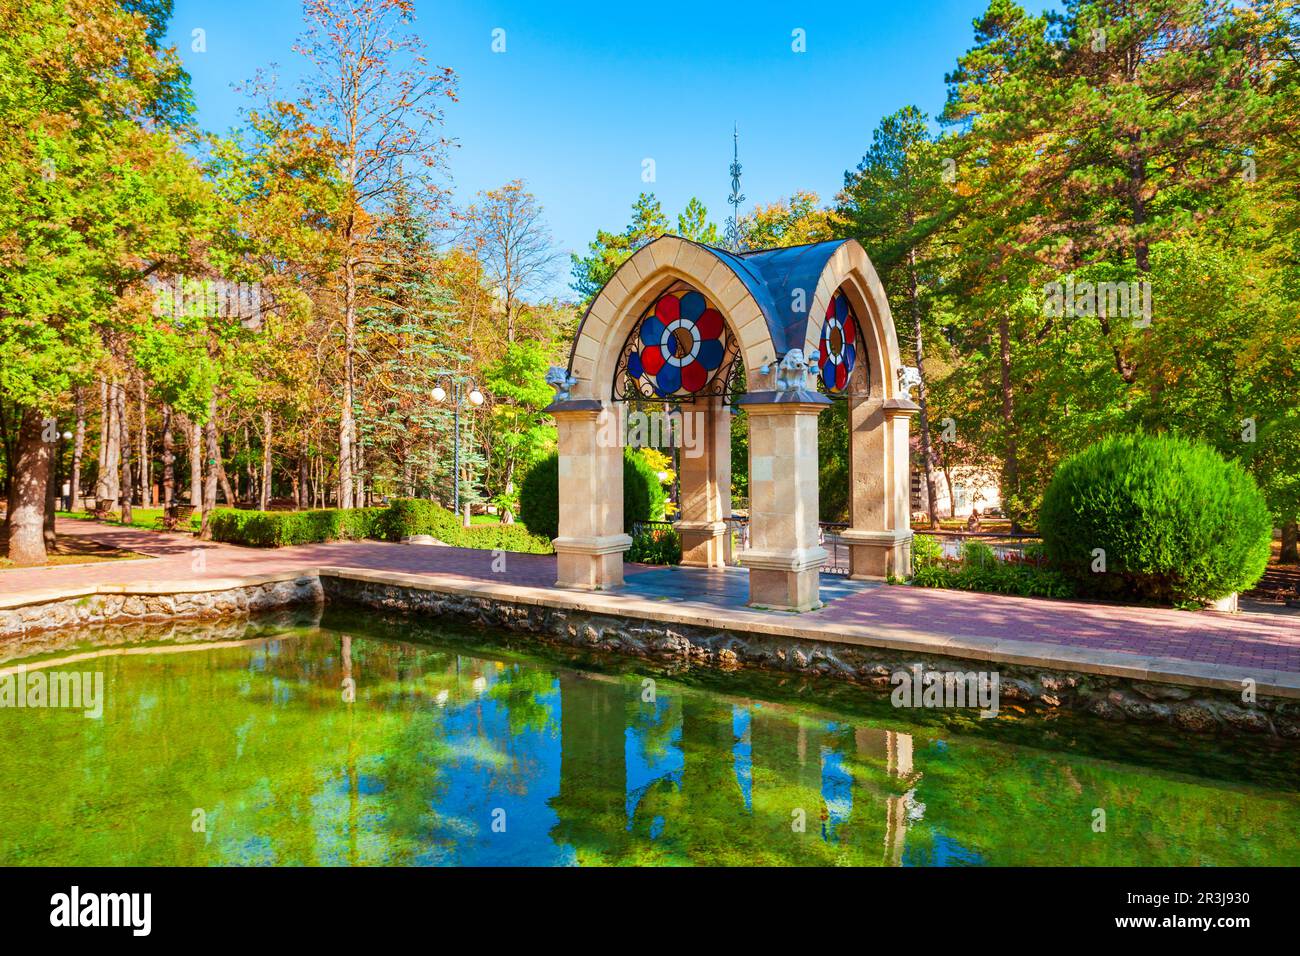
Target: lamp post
54	486
458	398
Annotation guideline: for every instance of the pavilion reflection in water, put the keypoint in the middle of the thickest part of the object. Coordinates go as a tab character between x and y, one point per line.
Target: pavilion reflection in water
729	785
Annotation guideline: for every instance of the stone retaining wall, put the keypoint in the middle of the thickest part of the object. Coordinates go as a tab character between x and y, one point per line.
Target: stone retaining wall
25	630
127	633
36	628
1036	688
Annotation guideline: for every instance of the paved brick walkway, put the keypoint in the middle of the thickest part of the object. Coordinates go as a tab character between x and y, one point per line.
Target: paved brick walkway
1255	642
175	557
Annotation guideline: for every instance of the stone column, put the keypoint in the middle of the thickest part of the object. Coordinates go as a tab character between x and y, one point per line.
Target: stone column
784	558
880	538
704	480
590	546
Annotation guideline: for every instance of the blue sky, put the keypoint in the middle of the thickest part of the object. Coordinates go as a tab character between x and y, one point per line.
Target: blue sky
585	92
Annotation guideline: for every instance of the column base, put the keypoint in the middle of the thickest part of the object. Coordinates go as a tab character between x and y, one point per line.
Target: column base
878	555
703	543
785	580
590	564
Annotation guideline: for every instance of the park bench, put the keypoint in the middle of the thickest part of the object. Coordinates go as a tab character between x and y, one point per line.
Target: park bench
175	516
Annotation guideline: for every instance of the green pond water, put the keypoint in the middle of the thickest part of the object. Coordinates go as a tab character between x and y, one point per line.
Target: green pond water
467	747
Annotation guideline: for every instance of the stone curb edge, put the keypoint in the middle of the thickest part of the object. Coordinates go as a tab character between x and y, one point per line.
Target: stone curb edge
1022	653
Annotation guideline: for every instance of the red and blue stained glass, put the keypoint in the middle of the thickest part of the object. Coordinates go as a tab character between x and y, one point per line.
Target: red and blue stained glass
839	344
679	345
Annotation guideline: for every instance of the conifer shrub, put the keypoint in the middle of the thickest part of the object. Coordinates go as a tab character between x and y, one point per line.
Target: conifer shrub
539	495
1155	518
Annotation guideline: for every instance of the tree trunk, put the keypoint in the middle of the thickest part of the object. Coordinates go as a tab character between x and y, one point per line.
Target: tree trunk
103	428
1290	542
346	422
220	467
128	489
359	497
265	500
78	450
108	488
304	477
31	475
168	459
1010	463
52	496
252	471
922	391
196	465
214	459
146	472
10	440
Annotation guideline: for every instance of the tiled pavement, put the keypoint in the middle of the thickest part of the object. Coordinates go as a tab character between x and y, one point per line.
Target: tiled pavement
1253	642
727	588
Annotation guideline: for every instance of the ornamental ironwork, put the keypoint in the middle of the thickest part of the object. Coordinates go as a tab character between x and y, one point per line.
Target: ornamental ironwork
678	350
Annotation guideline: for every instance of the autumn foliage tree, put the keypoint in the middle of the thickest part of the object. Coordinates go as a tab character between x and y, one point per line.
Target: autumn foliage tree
370	87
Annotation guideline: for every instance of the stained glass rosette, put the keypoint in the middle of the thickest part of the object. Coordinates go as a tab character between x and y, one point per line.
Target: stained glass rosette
679	345
839	344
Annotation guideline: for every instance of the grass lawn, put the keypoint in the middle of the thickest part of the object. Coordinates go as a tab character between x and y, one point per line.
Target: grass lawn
147	518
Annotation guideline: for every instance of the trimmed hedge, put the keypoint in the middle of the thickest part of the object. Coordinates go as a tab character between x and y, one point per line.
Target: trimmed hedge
410	516
1175	521
406	516
277	529
539	495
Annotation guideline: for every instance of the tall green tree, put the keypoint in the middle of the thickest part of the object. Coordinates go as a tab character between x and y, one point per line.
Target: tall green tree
98	196
896	203
369	86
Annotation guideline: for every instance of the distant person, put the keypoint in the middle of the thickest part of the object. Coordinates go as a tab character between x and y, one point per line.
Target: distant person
973	522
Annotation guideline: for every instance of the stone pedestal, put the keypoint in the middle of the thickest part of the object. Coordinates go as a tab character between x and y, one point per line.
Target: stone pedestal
589	548
784	558
704	481
880	535
875	555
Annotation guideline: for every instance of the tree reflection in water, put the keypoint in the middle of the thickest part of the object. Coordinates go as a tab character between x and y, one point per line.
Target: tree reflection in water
441	739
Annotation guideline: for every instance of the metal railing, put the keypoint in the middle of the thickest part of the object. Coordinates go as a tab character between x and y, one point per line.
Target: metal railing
641	527
828	536
837	550
1013	550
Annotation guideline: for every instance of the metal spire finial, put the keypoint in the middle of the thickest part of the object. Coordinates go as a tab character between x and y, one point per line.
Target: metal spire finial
735	239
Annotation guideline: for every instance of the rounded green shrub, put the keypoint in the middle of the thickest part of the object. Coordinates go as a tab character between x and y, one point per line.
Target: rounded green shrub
1155	518
643	494
539	494
539	498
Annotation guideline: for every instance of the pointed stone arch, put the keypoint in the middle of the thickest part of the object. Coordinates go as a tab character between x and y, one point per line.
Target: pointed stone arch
763	299
636	284
880	534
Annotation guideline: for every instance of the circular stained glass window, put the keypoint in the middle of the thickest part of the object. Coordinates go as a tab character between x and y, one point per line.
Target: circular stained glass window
679	345
839	344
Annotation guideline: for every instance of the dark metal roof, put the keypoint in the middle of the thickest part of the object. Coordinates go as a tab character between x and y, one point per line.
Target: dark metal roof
773	275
